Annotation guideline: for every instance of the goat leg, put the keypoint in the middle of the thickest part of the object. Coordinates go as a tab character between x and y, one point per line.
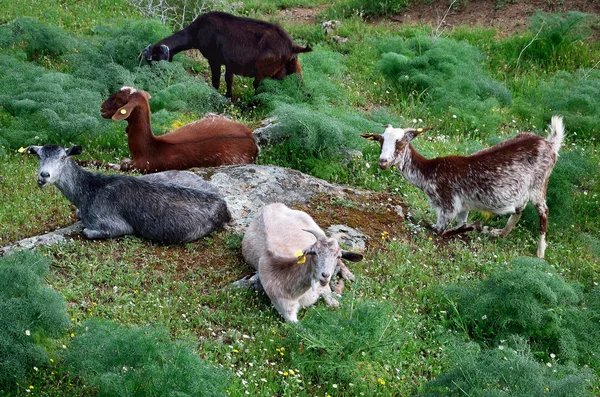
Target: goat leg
467	227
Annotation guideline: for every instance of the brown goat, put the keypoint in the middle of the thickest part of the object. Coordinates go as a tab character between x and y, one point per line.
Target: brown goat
247	47
209	142
500	179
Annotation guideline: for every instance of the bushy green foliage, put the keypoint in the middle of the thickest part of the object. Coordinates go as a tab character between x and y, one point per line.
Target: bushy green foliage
573	95
530	301
181	97
506	371
63	107
30	312
354	342
36	38
366	8
555	34
140	361
447	74
313	115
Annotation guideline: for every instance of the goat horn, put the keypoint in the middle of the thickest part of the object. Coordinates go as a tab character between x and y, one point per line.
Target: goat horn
318	235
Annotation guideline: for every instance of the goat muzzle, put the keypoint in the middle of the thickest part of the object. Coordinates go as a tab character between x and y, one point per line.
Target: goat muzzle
384	164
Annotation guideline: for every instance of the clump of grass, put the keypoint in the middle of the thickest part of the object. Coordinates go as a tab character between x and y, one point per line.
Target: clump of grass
140	361
36	38
530	301
556	33
508	371
314	118
352	345
434	70
30	313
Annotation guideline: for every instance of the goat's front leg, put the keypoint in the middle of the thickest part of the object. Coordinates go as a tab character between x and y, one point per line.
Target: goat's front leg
462	226
229	82
215	71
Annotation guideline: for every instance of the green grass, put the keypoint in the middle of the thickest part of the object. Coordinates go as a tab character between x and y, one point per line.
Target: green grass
184	288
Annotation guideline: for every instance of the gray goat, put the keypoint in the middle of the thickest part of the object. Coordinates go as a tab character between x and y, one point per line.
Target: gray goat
294	258
169	207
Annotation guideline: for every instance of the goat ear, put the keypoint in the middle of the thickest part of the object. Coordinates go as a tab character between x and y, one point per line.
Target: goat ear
412	134
146	95
32	149
164	50
351	256
144	53
373	137
74	150
123	112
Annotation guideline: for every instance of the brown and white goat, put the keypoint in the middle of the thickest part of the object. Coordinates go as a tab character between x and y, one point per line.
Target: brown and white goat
500	179
294	258
209	142
247	47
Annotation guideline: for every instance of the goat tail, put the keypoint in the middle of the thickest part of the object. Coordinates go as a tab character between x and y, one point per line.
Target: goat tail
557	133
298	49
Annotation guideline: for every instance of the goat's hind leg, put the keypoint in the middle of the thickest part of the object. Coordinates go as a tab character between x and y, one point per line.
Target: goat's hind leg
542	210
510	225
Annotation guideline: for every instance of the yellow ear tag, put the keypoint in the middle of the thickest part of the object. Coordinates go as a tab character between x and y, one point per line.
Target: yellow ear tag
486	215
419	129
300	255
21	149
123	111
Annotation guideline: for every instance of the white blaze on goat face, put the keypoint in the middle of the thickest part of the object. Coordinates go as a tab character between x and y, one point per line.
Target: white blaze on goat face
126	87
392	148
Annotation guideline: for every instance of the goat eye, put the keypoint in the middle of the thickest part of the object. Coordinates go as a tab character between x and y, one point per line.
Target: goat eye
63	158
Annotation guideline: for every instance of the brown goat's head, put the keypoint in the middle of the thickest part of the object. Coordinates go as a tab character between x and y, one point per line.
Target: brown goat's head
120	104
155	53
394	144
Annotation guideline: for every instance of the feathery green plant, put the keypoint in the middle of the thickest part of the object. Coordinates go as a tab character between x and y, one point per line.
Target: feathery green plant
140	361
531	301
30	313
435	69
357	341
507	371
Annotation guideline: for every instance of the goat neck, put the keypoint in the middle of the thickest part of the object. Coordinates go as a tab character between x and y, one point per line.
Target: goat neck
75	183
416	168
140	137
177	42
294	278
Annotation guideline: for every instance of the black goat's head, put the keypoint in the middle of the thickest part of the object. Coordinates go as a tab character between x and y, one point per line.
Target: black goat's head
154	53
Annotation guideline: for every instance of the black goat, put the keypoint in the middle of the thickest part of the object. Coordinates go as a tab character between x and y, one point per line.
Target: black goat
247	47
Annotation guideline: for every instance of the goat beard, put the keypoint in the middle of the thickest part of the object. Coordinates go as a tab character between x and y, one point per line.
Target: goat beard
313	285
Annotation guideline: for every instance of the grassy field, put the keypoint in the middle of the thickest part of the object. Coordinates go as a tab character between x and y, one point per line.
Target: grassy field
402	324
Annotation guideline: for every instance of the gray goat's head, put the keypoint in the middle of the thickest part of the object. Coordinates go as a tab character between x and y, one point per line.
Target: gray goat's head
326	252
52	161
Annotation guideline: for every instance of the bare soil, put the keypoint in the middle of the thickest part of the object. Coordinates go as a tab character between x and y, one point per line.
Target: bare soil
507	16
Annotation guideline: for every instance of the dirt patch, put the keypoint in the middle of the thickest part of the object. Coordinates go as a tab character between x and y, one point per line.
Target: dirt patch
506	16
300	15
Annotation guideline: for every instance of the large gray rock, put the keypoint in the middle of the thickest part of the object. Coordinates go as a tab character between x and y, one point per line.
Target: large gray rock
247	188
